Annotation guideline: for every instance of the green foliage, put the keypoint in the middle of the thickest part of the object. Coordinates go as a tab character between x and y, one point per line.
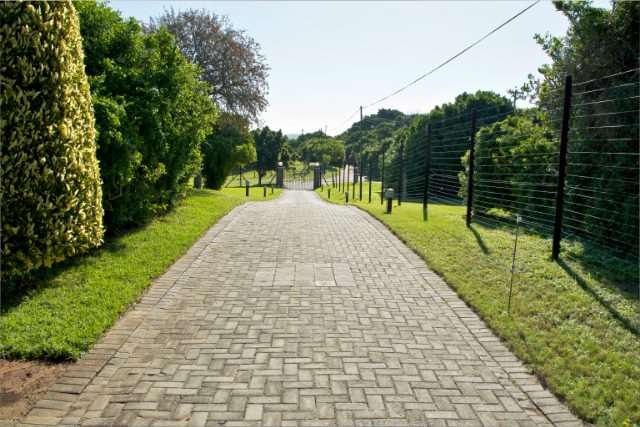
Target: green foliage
598	43
69	307
450	129
328	151
268	145
230	60
230	145
152	114
375	132
514	150
51	196
600	51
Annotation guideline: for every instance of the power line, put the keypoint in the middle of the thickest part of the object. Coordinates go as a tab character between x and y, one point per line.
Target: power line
445	62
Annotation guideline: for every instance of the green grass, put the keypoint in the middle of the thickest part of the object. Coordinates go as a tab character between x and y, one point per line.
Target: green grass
575	328
66	309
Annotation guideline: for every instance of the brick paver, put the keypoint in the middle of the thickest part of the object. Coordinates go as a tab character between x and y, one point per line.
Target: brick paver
298	312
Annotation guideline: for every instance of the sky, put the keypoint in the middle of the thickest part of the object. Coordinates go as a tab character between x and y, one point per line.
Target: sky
328	58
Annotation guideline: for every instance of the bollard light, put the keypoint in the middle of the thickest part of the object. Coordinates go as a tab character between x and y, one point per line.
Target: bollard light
264	193
328	193
346	196
389	194
246	184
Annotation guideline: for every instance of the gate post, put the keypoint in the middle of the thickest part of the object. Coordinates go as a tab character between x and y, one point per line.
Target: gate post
317	178
280	176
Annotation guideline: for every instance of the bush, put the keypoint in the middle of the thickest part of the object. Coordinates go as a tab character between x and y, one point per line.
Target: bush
515	167
152	114
230	145
51	195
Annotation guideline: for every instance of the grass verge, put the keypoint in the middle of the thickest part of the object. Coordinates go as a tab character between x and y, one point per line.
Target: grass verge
67	308
573	329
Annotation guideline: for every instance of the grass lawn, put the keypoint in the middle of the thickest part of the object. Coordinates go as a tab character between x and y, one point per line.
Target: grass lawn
69	307
575	328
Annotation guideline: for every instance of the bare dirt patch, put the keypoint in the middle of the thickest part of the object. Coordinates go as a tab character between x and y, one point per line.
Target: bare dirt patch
22	384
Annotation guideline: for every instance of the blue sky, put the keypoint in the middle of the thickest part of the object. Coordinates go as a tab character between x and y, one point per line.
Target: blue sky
328	58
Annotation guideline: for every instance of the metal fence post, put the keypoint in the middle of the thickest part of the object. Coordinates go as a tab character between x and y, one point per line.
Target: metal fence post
401	172
361	168
472	157
382	180
427	164
562	163
370	172
356	172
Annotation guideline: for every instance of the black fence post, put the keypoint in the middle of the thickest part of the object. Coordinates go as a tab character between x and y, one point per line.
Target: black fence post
356	172
562	163
361	169
401	172
427	165
370	172
472	157
382	180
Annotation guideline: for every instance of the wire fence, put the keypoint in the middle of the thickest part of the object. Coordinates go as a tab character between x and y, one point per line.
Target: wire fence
569	171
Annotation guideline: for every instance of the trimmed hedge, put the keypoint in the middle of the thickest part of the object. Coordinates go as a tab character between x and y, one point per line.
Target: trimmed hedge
51	194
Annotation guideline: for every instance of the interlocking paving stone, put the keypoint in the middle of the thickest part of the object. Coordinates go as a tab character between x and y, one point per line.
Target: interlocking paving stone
298	312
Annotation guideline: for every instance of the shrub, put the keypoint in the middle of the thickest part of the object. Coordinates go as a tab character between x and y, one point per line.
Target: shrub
230	145
152	114
51	195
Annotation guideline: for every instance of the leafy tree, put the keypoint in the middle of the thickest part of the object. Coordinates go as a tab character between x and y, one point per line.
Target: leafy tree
600	51
51	195
230	60
450	130
598	43
328	151
152	113
512	151
230	145
268	147
382	127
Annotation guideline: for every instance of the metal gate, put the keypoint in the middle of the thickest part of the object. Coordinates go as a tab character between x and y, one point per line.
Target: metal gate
301	179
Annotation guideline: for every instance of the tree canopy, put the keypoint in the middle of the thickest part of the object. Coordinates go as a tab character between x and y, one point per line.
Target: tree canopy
152	112
230	60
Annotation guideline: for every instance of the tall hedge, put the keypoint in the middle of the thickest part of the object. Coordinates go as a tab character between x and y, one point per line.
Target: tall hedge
152	113
51	195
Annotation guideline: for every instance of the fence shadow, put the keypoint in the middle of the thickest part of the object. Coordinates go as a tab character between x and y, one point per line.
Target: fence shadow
625	322
483	247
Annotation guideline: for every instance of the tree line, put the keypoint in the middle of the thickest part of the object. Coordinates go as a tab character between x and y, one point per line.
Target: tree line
517	148
107	121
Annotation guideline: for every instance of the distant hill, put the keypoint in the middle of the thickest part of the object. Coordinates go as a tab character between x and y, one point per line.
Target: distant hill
292	135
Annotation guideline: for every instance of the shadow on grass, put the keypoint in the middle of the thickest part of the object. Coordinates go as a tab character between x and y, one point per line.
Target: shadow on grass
625	322
16	290
481	243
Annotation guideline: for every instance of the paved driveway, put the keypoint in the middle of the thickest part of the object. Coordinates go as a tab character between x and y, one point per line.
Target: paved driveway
298	312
